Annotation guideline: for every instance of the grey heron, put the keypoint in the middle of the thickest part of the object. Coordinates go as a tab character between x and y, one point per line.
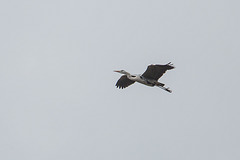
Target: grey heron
149	77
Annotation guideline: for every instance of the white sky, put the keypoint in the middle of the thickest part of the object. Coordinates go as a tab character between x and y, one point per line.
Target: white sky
57	93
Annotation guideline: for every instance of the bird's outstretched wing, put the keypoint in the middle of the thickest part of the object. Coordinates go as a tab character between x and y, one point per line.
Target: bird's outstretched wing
124	82
156	71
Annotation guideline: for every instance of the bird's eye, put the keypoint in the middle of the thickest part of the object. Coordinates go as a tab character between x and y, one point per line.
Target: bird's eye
133	76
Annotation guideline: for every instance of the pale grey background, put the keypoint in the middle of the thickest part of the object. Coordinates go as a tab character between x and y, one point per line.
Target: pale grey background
57	94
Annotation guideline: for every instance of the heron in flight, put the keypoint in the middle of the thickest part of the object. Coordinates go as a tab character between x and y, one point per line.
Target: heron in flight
149	77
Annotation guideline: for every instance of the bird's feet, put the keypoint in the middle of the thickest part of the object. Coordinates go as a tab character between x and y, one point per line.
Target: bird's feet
167	89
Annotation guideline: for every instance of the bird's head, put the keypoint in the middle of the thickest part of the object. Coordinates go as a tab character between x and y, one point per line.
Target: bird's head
122	72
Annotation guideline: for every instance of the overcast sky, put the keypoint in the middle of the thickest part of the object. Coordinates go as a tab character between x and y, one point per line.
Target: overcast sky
58	99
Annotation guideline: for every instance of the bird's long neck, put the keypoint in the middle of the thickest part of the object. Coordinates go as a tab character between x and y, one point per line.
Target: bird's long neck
126	73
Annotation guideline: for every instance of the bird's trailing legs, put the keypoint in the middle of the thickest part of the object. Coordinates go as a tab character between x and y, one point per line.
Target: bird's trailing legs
166	89
161	85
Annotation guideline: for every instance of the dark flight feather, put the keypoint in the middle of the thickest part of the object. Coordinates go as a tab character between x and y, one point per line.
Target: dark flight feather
156	71
124	82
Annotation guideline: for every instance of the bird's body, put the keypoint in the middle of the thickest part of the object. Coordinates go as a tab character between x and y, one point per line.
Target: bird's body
149	77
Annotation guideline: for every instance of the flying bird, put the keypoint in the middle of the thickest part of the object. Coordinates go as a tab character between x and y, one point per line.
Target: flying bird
149	77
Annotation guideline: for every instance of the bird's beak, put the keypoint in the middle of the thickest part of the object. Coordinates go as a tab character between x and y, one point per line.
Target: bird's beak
116	71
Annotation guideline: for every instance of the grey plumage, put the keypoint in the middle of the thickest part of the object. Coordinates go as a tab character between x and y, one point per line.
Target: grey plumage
149	77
